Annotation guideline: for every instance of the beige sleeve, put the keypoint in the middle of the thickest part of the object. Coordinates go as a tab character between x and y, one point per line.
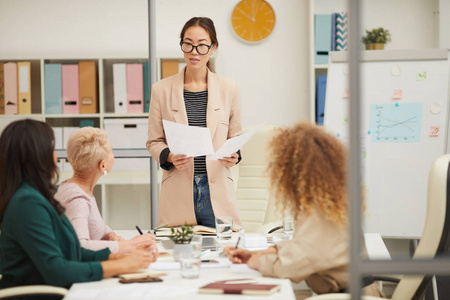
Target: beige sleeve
156	141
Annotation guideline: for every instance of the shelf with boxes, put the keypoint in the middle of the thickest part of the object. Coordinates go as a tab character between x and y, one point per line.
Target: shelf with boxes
72	93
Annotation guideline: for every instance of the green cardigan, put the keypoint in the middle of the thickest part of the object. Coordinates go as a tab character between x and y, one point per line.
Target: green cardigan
37	246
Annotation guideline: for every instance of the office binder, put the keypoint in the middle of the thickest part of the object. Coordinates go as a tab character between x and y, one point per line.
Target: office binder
322	41
88	87
320	98
10	76
146	89
53	88
120	88
70	94
2	90
333	31
341	31
169	67
135	88
24	84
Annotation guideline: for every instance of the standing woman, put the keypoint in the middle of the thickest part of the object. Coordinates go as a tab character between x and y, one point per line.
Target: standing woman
38	245
195	190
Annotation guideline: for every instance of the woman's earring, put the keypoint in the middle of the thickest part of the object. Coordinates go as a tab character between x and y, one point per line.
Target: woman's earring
105	172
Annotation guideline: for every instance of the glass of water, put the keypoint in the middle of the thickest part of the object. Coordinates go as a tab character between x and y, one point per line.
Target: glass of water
288	226
190	260
224	227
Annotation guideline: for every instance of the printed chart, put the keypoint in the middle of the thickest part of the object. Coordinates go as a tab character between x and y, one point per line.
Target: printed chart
396	122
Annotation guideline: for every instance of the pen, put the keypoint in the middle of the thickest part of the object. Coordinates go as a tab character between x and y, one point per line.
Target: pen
139	230
237	243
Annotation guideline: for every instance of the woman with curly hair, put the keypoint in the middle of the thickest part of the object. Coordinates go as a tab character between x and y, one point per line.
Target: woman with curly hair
307	170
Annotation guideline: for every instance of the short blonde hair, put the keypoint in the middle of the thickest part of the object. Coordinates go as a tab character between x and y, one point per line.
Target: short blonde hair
87	147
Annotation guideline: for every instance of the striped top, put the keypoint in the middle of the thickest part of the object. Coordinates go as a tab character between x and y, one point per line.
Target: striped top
196	104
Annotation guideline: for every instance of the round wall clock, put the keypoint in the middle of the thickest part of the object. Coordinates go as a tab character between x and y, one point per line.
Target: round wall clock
253	20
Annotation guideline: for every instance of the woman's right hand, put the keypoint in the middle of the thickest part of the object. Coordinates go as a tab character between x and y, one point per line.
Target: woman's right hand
180	161
237	256
130	245
139	258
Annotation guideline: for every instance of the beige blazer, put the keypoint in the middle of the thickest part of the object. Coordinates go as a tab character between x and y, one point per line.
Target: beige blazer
223	118
317	253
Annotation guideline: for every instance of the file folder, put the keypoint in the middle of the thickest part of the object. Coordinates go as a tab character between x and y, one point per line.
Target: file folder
24	91
69	76
146	89
135	88
2	90
53	88
10	74
169	67
323	35
320	98
120	88
88	87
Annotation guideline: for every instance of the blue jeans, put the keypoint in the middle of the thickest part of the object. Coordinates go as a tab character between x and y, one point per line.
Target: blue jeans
202	201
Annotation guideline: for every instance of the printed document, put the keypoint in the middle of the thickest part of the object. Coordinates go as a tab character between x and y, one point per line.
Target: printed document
188	140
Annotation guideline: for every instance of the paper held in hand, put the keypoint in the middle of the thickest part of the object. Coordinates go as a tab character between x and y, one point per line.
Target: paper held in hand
188	140
196	141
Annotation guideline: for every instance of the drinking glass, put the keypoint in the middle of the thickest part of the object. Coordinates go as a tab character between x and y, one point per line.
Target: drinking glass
190	260
224	227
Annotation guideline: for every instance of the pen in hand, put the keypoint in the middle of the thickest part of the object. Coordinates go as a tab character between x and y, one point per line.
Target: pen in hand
237	244
139	230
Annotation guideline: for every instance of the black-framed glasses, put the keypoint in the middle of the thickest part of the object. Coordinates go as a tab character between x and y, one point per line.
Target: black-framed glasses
201	49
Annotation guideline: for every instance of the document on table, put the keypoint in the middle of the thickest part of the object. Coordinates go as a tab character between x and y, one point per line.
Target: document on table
188	140
234	144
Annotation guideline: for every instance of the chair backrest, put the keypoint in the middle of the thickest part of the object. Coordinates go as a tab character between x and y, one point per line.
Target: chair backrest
435	237
255	203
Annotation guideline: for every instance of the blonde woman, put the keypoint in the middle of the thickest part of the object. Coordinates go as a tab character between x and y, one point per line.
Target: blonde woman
307	170
91	156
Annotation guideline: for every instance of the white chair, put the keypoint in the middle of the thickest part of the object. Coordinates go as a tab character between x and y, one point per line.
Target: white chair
33	290
435	237
255	203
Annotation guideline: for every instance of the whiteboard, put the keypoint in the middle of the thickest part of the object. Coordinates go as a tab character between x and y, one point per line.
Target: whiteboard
404	106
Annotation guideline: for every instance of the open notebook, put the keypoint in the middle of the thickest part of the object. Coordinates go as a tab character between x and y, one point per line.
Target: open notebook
198	229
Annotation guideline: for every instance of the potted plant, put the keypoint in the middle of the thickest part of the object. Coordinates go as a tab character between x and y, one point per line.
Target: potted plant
376	38
181	236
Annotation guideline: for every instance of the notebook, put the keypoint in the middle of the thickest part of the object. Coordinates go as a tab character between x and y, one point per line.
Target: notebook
239	286
207	243
198	229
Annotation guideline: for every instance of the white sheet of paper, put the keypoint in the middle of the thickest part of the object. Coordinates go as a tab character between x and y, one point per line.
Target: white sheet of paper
233	145
188	140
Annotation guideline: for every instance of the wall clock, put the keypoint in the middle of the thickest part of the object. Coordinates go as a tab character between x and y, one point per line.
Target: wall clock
253	20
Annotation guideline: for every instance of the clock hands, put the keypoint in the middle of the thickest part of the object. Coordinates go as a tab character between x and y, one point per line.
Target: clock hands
245	14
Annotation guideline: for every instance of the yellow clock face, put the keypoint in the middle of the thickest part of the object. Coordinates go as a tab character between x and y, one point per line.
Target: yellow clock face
253	20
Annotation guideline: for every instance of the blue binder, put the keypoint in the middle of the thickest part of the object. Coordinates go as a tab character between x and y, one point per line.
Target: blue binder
333	32
52	85
323	35
146	88
320	98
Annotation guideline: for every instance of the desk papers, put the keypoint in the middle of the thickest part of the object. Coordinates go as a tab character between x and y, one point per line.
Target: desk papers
188	140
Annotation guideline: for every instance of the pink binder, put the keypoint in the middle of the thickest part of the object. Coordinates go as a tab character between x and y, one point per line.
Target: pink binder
10	77
70	94
135	88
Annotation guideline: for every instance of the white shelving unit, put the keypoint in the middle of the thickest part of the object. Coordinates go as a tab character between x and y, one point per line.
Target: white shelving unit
123	197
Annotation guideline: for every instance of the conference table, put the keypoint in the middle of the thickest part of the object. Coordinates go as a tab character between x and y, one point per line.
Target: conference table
174	286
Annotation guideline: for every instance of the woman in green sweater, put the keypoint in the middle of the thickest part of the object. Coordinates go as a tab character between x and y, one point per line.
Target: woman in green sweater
38	245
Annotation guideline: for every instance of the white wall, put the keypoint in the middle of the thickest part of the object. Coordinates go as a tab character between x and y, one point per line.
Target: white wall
272	75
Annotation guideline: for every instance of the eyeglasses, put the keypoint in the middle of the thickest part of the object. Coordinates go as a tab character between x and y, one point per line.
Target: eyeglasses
201	49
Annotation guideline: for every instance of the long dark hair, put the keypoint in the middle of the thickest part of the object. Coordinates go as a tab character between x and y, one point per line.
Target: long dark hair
26	153
208	25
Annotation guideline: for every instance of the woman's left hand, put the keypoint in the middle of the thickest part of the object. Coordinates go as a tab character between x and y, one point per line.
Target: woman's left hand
230	161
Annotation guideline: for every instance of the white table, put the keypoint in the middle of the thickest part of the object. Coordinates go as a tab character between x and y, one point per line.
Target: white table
176	287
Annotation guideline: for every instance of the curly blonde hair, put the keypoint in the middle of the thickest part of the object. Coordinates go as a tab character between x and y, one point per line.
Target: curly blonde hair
307	166
86	147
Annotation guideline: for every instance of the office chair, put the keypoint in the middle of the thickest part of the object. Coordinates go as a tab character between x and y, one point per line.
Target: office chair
435	236
33	290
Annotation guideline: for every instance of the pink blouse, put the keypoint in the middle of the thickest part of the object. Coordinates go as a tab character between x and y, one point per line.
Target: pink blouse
82	211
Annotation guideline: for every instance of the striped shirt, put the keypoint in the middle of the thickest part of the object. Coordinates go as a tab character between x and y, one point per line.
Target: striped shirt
196	104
